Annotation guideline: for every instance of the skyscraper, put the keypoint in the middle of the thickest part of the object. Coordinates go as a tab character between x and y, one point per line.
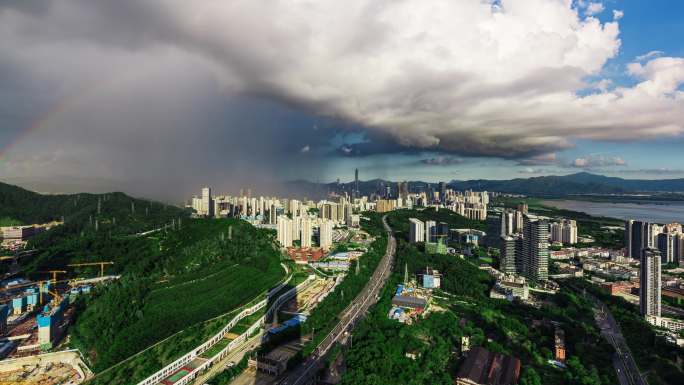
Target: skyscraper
564	231
325	234
403	190
207	202
442	192
284	231
306	232
510	254
430	231
356	183
535	248
638	236
416	230
666	245
649	282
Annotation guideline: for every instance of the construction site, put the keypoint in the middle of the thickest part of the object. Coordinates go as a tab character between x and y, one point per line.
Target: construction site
34	319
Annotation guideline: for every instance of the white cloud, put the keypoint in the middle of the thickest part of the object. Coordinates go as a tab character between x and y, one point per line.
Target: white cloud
649	55
593	161
305	149
594	9
443	75
618	14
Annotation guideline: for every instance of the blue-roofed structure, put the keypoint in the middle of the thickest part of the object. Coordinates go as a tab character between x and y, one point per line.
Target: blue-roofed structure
292	322
49	321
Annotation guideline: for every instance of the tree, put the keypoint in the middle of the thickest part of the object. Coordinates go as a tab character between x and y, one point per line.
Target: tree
530	377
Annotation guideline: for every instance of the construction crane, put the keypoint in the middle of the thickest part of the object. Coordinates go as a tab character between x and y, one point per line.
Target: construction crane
54	274
70	282
102	265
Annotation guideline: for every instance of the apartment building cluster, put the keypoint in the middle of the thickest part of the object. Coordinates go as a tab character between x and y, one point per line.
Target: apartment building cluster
526	251
563	231
667	239
653	245
303	229
470	204
267	210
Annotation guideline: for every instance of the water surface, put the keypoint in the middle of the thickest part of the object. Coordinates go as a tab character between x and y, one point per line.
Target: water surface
661	212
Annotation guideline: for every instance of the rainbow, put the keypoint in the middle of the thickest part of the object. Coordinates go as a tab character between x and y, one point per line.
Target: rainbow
59	108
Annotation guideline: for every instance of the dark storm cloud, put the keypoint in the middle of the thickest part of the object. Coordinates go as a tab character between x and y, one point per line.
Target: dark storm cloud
152	91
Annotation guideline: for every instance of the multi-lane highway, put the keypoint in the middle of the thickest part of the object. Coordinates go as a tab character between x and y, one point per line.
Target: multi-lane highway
625	366
348	318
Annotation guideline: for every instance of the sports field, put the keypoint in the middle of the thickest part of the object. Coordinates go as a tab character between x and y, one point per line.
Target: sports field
172	379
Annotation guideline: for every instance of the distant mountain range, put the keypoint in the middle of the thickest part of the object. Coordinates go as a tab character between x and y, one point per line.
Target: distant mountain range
579	183
582	183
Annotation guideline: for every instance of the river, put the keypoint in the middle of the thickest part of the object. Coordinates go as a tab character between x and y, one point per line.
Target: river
661	212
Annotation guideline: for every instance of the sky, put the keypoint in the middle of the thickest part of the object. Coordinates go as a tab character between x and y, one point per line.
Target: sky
161	97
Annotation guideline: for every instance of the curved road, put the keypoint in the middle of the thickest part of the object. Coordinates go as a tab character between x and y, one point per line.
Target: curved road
348	318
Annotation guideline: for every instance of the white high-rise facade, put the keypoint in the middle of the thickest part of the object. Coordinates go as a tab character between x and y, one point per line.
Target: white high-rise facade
416	230
207	204
649	282
564	231
284	231
325	234
306	232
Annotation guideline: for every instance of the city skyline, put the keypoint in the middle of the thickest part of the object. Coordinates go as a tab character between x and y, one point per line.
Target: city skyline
112	117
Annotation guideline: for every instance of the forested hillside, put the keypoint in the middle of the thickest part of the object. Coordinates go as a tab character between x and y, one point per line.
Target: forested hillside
198	271
96	227
18	205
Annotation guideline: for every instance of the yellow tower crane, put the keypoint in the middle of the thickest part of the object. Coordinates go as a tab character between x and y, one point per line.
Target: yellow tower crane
101	264
54	274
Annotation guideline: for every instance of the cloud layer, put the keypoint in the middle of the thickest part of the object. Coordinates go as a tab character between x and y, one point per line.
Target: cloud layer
501	79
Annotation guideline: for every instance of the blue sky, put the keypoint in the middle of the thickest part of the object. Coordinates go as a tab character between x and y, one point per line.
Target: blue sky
655	25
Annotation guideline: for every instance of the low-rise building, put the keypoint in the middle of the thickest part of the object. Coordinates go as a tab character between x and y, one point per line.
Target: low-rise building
409	302
483	367
431	279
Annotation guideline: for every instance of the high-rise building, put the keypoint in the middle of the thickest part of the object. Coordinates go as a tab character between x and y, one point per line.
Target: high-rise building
510	254
638	236
416	230
519	222
649	282
679	249
284	231
325	234
296	228
305	237
442	192
356	193
564	231
535	248
403	190
430	231
666	246
207	204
